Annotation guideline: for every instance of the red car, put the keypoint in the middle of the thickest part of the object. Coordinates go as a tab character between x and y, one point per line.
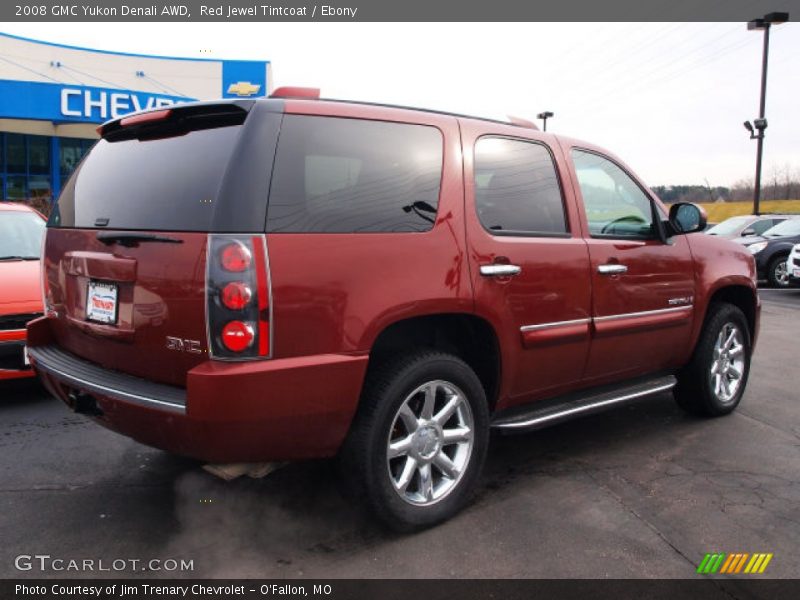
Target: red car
21	231
293	278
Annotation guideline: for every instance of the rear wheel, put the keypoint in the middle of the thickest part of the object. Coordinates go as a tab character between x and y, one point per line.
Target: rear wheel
714	381
778	272
418	443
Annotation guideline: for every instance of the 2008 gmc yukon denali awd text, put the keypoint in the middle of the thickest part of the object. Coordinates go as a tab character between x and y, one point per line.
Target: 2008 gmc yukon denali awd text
292	278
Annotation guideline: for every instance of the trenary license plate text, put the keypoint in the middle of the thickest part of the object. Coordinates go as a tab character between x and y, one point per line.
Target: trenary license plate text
101	302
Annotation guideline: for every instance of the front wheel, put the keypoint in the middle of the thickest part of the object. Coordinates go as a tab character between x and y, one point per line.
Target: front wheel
419	440
714	381
778	272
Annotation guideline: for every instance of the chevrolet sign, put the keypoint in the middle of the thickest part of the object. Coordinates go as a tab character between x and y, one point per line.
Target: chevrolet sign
243	88
89	104
65	103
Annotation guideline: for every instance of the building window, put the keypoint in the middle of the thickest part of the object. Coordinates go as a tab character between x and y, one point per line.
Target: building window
25	166
15	153
38	155
71	153
15	187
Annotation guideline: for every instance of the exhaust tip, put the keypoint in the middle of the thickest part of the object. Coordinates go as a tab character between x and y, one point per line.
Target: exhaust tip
84	404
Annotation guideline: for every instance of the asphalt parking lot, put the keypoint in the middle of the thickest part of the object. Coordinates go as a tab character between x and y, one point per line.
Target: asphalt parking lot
641	491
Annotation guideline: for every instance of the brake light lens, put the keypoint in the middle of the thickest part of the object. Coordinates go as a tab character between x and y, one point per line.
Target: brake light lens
146	117
238	297
236	257
237	336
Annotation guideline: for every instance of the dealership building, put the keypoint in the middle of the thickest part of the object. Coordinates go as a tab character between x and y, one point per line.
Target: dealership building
52	98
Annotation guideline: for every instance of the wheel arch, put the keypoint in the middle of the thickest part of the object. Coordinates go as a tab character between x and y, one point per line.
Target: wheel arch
776	254
471	338
744	297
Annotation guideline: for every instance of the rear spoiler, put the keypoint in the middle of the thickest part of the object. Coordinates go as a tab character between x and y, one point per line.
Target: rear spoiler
175	120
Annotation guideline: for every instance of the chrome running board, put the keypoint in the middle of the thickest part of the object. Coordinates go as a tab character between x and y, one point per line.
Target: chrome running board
549	412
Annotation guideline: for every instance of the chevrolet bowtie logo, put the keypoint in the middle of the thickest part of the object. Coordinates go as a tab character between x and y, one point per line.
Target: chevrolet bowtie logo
243	88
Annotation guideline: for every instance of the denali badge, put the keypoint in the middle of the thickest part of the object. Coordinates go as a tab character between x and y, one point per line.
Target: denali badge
181	345
680	301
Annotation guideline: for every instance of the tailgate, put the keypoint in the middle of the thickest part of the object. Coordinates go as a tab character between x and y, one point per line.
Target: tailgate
126	244
139	309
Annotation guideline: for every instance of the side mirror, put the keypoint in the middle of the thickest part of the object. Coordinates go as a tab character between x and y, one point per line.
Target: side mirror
685	217
748	231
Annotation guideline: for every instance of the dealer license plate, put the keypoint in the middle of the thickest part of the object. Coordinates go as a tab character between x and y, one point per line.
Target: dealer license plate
101	302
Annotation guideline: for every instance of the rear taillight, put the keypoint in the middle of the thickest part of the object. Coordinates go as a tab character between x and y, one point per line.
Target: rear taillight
238	297
237	336
235	257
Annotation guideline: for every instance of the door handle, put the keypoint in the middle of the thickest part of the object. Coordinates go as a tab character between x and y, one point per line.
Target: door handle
612	269
496	270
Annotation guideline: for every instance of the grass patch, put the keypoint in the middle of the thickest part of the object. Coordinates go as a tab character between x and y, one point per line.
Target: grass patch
719	211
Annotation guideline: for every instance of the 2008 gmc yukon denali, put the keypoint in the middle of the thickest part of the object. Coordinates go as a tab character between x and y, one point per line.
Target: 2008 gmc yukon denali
291	278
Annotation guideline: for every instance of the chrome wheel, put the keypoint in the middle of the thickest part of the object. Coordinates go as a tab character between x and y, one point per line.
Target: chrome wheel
727	366
430	443
782	273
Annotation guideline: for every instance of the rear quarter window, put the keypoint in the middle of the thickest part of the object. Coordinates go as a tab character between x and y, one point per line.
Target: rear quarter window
338	175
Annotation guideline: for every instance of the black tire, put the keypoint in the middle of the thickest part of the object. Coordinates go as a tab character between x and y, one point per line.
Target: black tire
696	391
364	462
773	275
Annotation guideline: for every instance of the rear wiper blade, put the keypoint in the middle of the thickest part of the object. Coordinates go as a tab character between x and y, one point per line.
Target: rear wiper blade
19	258
130	239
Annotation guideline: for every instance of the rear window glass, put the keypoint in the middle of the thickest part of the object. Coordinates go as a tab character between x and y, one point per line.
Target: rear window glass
339	175
166	184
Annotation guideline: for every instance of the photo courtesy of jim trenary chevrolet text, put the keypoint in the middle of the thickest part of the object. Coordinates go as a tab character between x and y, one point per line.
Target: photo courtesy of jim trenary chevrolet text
379	299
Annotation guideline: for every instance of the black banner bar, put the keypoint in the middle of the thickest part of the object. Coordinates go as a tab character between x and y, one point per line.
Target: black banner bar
391	10
742	588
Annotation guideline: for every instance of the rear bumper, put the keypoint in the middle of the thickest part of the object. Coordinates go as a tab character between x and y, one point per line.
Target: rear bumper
12	345
282	409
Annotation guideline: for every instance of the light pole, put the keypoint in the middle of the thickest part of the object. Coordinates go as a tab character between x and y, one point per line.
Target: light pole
774	18
544	116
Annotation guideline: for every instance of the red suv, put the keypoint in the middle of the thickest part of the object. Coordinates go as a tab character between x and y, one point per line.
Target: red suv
292	278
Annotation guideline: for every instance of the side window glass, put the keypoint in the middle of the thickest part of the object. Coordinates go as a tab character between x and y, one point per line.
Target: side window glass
337	175
517	189
761	226
615	205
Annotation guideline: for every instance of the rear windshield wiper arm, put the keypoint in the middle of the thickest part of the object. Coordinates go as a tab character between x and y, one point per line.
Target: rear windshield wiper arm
132	239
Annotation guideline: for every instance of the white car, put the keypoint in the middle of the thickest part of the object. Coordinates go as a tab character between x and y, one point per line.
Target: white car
793	264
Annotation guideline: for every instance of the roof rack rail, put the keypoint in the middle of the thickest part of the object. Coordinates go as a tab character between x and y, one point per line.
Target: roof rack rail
520	122
305	93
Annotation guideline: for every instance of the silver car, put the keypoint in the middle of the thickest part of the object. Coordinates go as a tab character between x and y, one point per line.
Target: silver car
745	225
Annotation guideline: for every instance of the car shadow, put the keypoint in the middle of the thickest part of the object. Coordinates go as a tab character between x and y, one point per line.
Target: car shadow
302	509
